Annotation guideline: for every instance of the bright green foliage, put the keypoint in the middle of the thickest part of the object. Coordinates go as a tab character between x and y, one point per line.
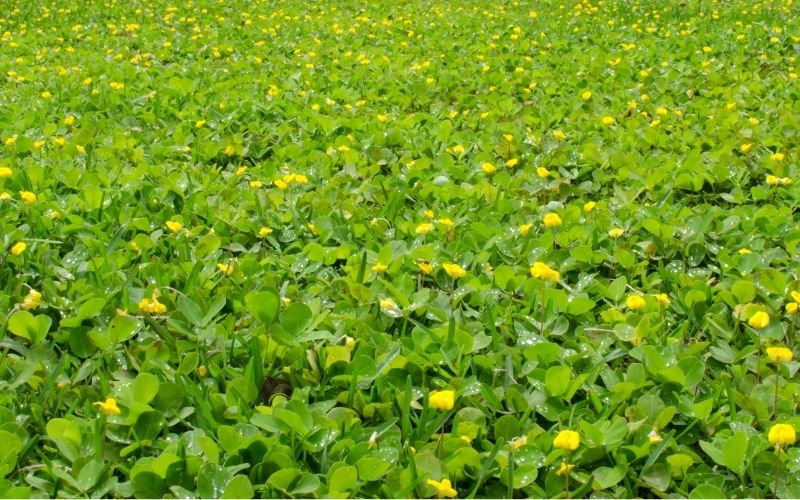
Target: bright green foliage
206	206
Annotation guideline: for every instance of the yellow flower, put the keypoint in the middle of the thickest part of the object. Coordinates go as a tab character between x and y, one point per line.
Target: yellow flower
551	220
447	223
424	228
388	304
116	85
508	137
542	172
635	302
27	197
653	437
202	371
777	156
791	308
559	135
241	170
46	95
429	214
488	168
69	121
662	111
458	149
281	184
199	123
454	270
18	248
11	140
230	150
542	271
425	267
512	162
784	181
782	435
795	296
779	354
518	442
4	196
5	172
32	300
586	95
227	269
382	118
442	400
567	440
616	232
109	406
773	180
564	469
264	232
759	320
745	251
525	228
37	145
443	488
746	147
152	305
589	206
174	226
380	267
256	184
663	299
608	120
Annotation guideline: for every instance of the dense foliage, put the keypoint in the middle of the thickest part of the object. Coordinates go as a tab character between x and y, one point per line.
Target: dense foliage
464	248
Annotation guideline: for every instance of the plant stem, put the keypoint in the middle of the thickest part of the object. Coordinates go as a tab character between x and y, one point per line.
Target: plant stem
758	358
544	303
776	391
511	474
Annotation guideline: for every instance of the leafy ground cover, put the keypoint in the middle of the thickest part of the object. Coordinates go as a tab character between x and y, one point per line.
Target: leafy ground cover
395	249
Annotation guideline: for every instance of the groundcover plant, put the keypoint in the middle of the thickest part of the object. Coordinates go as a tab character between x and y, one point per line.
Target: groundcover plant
287	248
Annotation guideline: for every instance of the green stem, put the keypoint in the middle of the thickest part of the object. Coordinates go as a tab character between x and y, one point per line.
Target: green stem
544	303
511	474
776	392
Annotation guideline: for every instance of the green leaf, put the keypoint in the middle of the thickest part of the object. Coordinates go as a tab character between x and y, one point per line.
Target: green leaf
606	477
144	388
26	325
557	380
148	484
239	487
263	305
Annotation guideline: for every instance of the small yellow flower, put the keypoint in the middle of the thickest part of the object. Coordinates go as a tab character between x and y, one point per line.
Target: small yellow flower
782	435
512	162
443	488
559	135
46	95
454	270
116	85
518	442
663	299
174	226
662	111
442	400
69	121
608	120
542	172
109	406
264	232
773	180
447	223
586	95
777	156
779	354
429	214
525	228
281	184
152	305
199	123
759	320
27	197
746	147
241	170
458	149
425	267
388	304
542	271
616	232
589	206
202	371
256	184
424	228
11	140
564	469
488	168
791	308
227	269
380	267
745	251
567	440
653	437
4	196
551	220
230	150
5	172
32	300
635	302
18	248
